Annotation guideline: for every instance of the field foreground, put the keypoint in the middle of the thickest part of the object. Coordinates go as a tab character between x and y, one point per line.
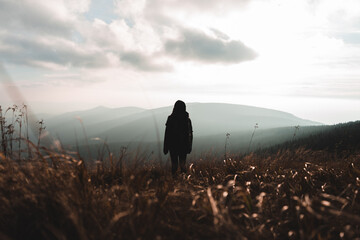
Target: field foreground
298	194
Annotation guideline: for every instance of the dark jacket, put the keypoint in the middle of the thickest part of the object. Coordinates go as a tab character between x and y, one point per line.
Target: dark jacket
178	134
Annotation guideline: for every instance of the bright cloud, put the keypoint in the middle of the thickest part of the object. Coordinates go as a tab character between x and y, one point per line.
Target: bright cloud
228	51
195	45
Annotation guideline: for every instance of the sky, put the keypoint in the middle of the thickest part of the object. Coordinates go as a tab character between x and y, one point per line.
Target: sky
298	56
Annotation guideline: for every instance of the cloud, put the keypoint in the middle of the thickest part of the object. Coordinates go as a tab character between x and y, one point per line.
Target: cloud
129	8
144	63
41	34
197	46
59	54
52	53
220	34
45	17
57	35
198	6
182	12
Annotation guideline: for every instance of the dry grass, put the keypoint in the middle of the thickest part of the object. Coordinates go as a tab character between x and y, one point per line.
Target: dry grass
290	195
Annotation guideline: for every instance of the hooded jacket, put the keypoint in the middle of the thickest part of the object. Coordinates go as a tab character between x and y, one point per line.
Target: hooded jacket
178	131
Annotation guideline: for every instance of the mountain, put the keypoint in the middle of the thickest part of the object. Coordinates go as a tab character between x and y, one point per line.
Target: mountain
95	121
124	125
213	118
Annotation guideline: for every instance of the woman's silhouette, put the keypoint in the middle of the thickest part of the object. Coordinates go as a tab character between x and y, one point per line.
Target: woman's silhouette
178	136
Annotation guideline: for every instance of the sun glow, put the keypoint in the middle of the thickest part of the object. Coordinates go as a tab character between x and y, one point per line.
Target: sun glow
150	53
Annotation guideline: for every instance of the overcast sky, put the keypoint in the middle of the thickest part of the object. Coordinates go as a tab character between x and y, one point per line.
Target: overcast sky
301	57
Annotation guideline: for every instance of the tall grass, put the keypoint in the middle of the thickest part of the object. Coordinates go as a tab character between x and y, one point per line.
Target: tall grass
252	136
11	131
298	194
226	145
295	131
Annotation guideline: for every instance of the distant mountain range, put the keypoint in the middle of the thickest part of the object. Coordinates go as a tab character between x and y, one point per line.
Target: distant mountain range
211	121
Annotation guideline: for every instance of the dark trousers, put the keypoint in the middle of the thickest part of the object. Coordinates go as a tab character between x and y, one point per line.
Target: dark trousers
177	158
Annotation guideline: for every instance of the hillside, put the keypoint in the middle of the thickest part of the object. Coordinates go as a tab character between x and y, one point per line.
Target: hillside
344	137
140	125
339	138
94	120
239	142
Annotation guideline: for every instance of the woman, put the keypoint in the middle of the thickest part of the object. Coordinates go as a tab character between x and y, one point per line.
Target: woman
178	136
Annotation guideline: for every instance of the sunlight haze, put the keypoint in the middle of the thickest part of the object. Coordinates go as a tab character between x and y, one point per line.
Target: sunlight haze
300	57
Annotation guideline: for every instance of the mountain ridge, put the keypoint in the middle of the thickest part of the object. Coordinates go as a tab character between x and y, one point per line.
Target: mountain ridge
138	124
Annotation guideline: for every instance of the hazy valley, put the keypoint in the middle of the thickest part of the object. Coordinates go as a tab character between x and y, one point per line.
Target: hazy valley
133	127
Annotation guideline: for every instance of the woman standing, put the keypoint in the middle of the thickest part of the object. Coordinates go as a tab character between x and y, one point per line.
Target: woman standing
178	136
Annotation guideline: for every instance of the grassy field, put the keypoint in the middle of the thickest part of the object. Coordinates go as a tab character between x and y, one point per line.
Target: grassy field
292	194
